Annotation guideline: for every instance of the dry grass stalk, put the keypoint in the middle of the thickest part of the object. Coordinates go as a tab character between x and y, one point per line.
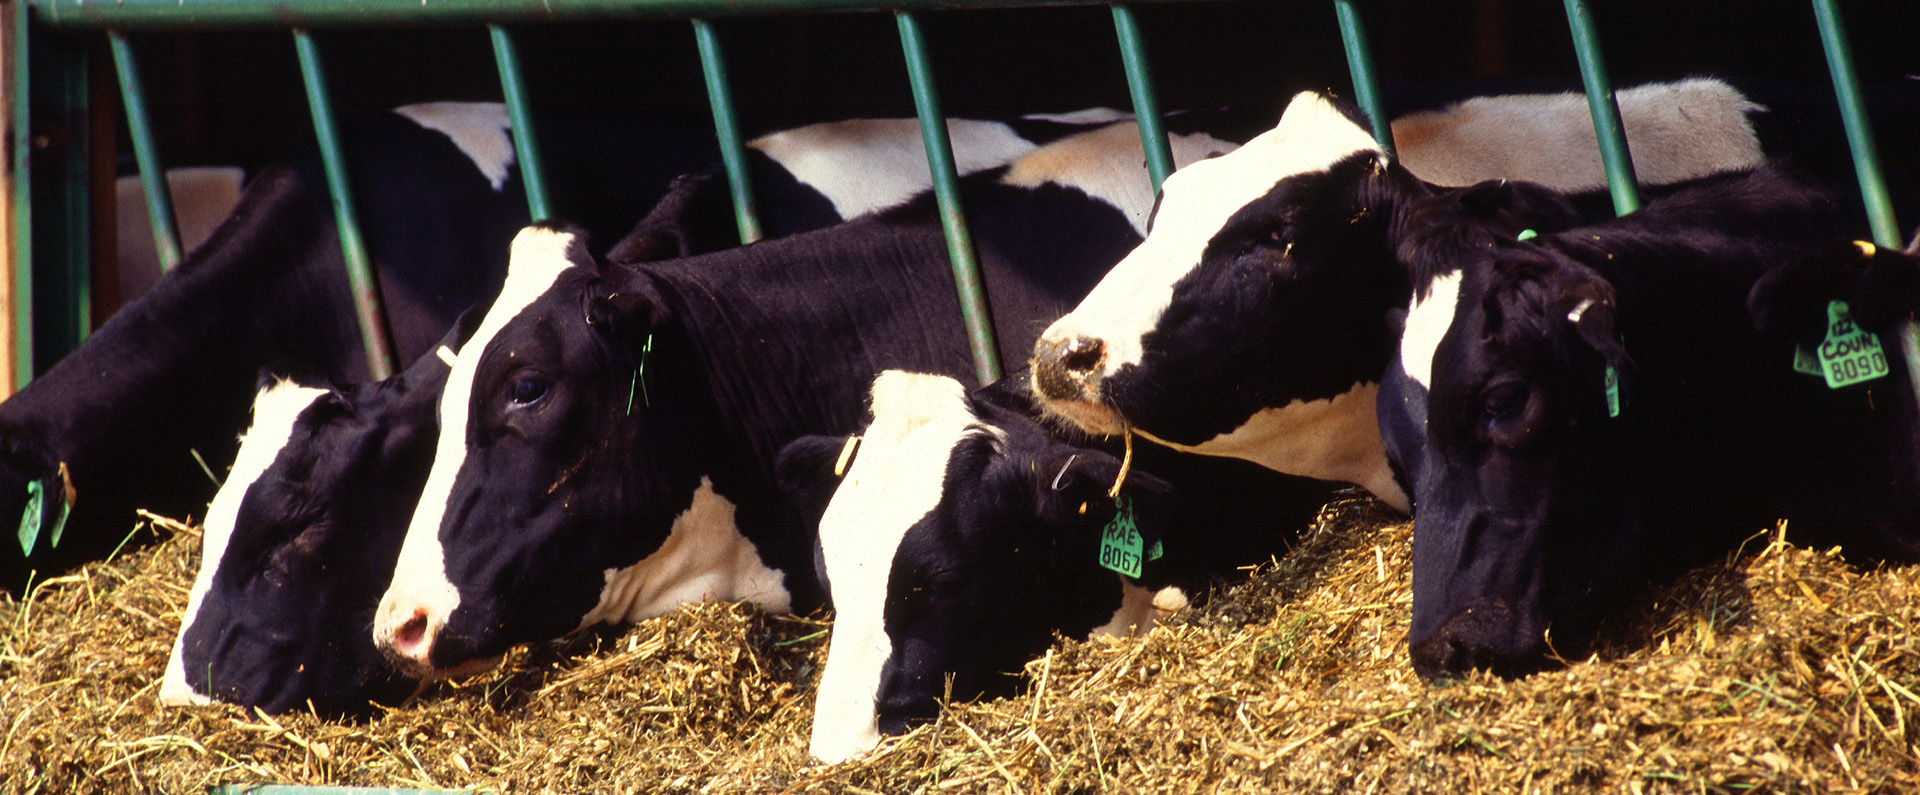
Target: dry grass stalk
1785	671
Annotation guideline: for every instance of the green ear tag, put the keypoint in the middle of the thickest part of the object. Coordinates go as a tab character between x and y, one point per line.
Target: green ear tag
1120	543
1156	552
1613	392
1526	234
1806	361
30	516
60	518
1850	354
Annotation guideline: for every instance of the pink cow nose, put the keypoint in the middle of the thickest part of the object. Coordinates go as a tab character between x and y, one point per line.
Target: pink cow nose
1061	366
408	641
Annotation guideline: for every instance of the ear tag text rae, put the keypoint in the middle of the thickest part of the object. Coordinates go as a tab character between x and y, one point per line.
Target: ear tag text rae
1121	547
1850	354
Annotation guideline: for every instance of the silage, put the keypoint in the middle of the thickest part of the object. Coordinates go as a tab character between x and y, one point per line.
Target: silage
1782	671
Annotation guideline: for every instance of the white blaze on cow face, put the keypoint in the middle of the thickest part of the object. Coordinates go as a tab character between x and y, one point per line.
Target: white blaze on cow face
704	557
896	480
274	411
1428	318
1110	165
420	586
1195	203
862	165
479	129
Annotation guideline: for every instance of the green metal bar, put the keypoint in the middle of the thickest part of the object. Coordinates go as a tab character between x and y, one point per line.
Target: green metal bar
1366	87
1866	160
61	182
1146	107
153	179
308	14
21	223
946	191
733	154
533	172
1614	156
353	250
1853	113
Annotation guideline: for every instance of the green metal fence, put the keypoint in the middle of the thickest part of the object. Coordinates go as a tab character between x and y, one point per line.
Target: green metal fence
51	218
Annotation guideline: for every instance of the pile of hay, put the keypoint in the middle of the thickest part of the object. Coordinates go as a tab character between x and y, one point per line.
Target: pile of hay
1783	671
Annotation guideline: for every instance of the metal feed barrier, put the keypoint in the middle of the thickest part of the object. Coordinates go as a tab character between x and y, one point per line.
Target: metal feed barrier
50	218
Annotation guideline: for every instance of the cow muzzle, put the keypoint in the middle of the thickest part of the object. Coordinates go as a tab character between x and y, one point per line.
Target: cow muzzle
1066	374
406	636
1492	637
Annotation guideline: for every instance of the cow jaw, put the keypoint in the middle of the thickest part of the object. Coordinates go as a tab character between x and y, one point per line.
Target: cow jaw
422	597
274	411
897	479
704	557
1337	438
1107	331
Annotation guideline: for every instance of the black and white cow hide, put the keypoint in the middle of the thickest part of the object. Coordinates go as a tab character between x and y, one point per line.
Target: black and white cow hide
1600	411
300	542
966	537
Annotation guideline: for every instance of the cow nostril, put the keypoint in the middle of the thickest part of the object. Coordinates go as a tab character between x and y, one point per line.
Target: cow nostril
410	638
1083	354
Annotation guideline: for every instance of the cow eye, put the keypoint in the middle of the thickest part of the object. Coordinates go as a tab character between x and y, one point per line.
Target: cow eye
1278	239
1503	400
527	389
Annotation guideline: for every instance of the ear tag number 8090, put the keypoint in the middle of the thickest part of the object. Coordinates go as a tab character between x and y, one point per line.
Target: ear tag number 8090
1850	354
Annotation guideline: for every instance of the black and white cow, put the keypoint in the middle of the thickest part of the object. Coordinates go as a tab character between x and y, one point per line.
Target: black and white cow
965	537
301	540
1599	410
439	197
553	507
1257	317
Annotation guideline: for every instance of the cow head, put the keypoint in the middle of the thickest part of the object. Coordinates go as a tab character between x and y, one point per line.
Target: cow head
1257	316
301	540
962	540
541	491
1520	480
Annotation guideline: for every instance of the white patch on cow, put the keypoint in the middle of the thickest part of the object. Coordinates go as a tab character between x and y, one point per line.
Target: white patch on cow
274	411
896	480
1196	202
704	557
862	165
1082	116
1333	439
1109	164
1675	131
1137	612
1428	319
537	259
479	129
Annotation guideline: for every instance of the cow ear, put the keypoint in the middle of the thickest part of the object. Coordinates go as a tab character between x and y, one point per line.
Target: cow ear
809	470
624	306
694	217
1881	287
1594	320
1087	476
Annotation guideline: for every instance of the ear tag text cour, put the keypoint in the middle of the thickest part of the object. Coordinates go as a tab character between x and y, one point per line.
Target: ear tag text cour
1850	354
1121	547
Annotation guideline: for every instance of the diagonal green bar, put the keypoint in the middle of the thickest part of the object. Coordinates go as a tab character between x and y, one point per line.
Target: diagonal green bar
1866	160
353	249
1146	107
1614	156
21	151
1366	86
153	179
946	191
733	154
526	146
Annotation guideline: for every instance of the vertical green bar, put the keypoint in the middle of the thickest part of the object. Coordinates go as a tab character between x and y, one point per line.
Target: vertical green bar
733	153
353	250
1146	107
1366	86
946	191
21	144
1606	113
1853	113
153	179
1866	160
533	173
61	158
